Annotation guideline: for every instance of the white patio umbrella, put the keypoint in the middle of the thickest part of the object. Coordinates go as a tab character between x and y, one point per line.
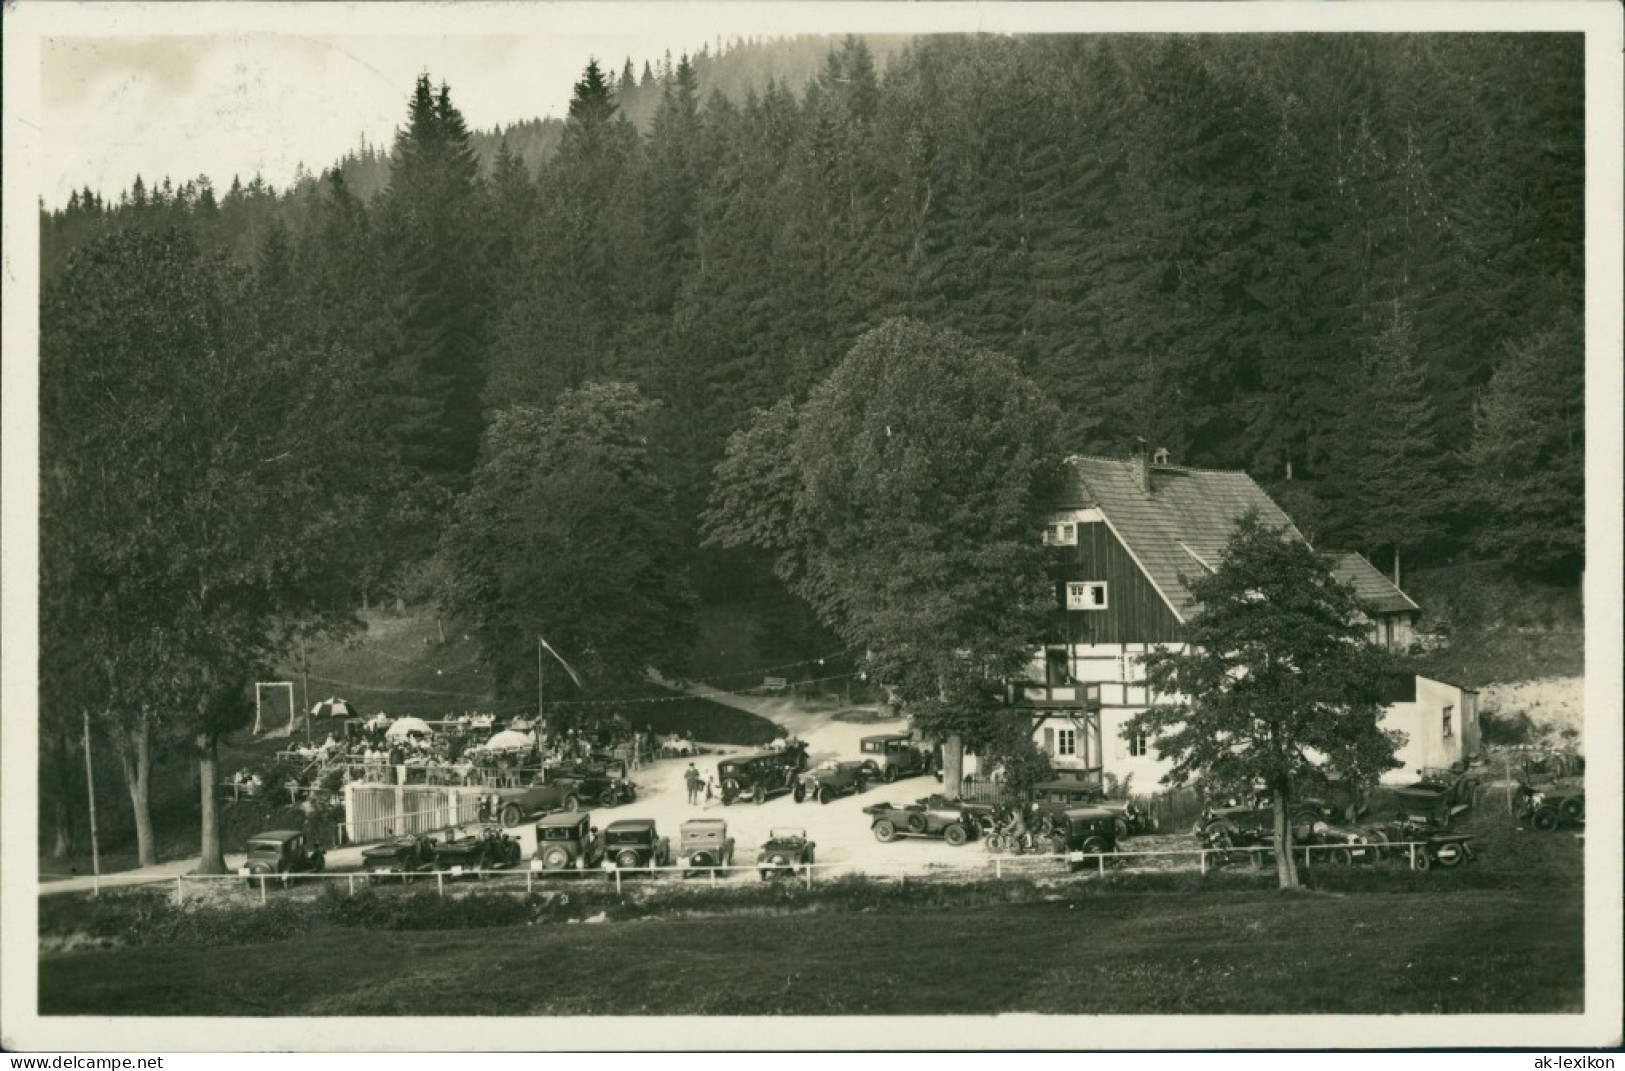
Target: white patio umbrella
401	728
508	738
333	707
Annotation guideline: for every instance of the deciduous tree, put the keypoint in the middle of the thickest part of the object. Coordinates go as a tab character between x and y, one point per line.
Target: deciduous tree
1278	682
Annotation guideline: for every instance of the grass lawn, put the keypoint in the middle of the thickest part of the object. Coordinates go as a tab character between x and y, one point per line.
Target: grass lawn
1447	951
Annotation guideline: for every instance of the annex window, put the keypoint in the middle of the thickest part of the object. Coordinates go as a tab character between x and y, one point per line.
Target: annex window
1136	745
1086	595
1449	719
1066	742
1061	534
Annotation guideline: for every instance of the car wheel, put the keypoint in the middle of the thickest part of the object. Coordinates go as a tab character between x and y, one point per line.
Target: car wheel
1424	861
800	792
572	804
511	815
760	795
1121	828
824	794
609	797
1303	824
890	775
955	834
1094	846
885	831
1450	855
915	822
1340	857
1573	808
1545	819
626	860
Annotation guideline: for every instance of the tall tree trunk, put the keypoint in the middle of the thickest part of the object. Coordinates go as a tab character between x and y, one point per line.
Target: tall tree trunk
1286	870
62	789
953	766
135	756
212	860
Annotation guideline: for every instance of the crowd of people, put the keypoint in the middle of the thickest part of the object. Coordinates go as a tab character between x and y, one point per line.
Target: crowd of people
472	749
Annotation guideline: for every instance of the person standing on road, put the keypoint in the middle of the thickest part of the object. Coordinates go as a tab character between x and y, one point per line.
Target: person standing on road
692	777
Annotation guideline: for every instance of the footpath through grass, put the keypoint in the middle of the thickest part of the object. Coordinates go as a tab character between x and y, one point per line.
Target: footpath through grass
1061	950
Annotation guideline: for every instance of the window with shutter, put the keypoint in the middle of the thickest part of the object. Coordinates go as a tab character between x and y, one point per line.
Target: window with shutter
1049	741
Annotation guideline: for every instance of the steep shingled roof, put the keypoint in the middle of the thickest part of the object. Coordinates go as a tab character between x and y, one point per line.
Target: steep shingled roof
1181	528
1376	592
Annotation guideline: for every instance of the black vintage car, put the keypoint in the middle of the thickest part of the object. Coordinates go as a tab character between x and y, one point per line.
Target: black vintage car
1435	786
602	781
567	843
488	848
1436	844
786	849
762	775
1084	834
399	857
1545	807
633	844
281	853
831	779
1054	798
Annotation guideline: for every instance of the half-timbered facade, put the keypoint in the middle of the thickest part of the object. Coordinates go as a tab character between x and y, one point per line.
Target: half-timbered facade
1125	540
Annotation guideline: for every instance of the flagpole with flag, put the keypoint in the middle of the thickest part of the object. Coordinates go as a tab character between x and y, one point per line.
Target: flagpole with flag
543	645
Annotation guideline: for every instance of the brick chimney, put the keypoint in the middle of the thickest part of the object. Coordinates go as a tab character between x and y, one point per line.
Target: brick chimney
1141	465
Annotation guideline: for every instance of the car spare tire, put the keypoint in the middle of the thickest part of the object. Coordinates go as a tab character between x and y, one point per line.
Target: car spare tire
626	859
555	858
700	859
915	822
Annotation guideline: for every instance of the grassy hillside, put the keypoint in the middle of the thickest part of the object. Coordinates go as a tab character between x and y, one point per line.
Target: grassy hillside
1072	950
1496	626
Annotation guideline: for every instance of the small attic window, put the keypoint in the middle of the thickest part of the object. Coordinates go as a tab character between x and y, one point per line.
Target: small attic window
1086	595
1061	534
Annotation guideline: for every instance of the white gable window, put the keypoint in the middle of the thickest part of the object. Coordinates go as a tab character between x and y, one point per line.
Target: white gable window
1086	595
1066	742
1061	534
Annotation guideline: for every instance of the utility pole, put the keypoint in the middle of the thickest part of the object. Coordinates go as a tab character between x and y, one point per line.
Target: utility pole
304	683
90	785
541	721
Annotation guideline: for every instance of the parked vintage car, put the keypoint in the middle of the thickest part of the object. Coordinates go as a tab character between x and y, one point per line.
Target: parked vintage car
704	844
930	817
761	776
281	853
1545	807
400	856
833	778
892	755
602	781
1439	846
1054	798
1332	845
1453	787
786	849
1083	834
1257	812
488	848
635	844
567	842
560	787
